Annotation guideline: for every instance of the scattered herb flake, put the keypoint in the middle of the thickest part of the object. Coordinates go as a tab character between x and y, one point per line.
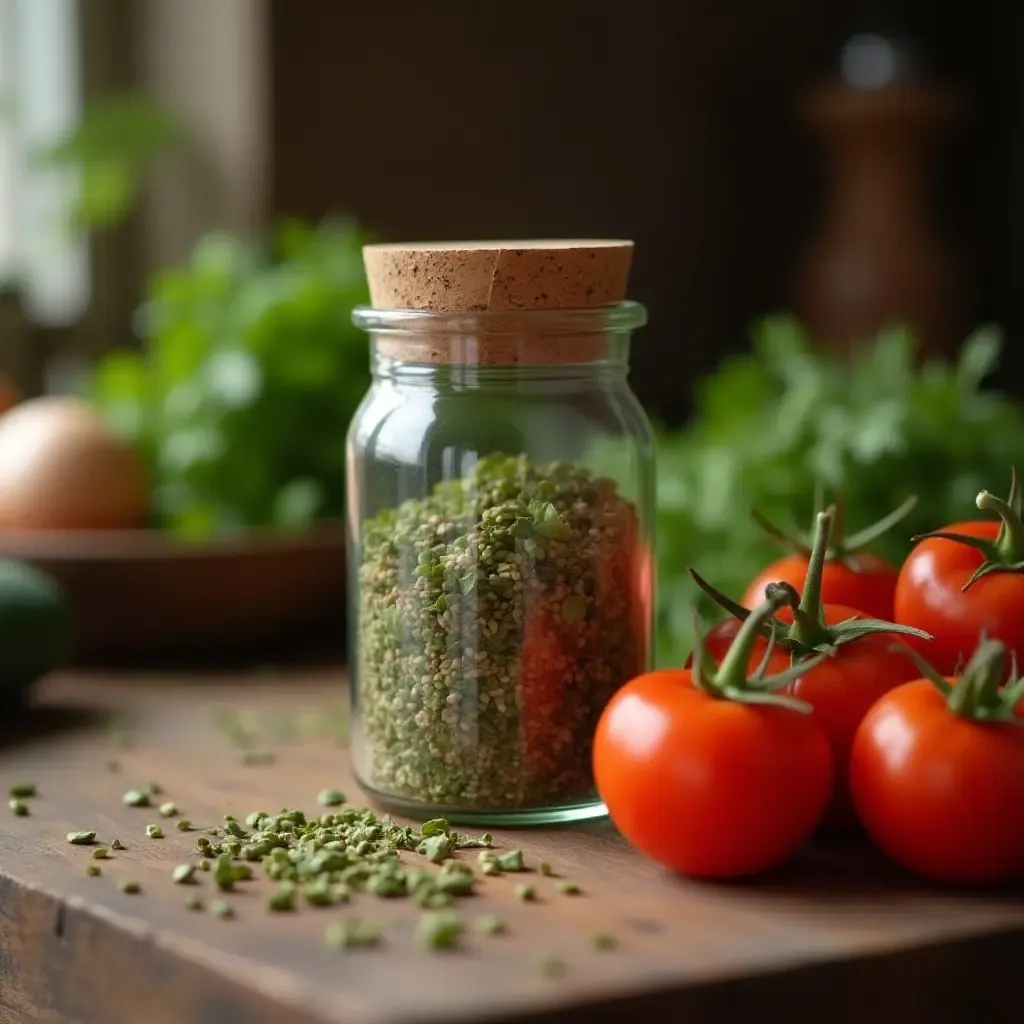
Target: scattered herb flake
22	790
603	941
183	874
490	924
440	930
194	903
93	870
100	853
136	798
569	889
549	966
351	935
526	893
154	832
512	861
81	838
116	844
222	909
168	810
131	887
18	808
330	798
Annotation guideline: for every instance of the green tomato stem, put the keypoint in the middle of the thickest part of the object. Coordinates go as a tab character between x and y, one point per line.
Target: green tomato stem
733	670
1010	540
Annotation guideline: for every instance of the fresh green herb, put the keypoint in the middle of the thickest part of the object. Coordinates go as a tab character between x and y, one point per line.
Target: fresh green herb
168	810
490	924
491	867
603	940
351	935
116	844
22	790
222	909
494	554
512	861
440	930
330	798
769	427
183	874
526	893
81	838
569	889
18	807
194	903
274	404
100	853
549	966
136	798
546	869
154	832
130	887
93	870
184	825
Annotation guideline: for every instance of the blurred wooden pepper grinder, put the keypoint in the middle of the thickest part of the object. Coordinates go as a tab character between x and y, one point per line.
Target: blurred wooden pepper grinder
878	260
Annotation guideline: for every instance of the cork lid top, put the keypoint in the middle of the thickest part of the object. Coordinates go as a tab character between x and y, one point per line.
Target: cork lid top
509	275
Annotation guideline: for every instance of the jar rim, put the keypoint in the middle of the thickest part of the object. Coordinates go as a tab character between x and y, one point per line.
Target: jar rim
620	317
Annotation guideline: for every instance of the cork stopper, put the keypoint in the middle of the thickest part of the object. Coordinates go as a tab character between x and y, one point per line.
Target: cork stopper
498	280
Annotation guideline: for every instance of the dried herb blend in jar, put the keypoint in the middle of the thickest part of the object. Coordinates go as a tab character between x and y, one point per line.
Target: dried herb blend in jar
501	484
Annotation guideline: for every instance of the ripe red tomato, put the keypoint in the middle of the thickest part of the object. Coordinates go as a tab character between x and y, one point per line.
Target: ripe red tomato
841	690
709	787
938	792
930	595
859	581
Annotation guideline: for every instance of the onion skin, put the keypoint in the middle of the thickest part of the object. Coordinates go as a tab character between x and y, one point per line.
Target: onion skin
62	468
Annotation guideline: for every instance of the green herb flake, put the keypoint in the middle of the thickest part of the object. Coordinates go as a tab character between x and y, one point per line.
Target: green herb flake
136	798
184	874
440	930
18	808
546	869
549	966
22	791
330	798
569	889
116	844
282	899
93	870
100	853
603	941
194	903
351	935
155	789
258	758
491	867
81	838
168	810
512	861
184	825
130	887
436	848
526	893
222	909
154	832
490	924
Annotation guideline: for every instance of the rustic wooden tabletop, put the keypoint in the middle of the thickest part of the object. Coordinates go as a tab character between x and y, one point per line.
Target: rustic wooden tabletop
837	933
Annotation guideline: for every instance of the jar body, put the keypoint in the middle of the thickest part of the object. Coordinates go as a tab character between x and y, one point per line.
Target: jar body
501	577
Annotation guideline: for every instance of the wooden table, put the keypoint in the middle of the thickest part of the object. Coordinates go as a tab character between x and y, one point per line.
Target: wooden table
837	934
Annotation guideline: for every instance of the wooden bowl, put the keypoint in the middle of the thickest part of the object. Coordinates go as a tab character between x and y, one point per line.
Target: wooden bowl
144	594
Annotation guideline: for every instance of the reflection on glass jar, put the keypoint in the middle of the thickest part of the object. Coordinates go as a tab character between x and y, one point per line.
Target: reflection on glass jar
500	506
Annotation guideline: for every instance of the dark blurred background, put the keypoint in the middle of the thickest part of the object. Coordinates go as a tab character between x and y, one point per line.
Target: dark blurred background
169	172
673	124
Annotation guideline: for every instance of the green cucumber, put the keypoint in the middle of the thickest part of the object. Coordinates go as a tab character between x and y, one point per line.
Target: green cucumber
35	627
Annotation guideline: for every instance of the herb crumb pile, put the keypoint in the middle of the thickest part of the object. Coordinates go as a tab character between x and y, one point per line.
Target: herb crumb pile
498	615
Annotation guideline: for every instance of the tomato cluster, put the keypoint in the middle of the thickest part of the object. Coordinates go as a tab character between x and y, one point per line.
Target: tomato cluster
841	693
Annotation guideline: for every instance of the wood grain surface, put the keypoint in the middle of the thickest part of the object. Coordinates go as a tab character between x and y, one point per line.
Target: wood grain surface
836	933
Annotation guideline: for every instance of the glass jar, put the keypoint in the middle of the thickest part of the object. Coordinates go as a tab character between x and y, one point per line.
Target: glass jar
501	492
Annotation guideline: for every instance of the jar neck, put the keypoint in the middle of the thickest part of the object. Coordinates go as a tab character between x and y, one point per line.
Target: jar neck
501	345
467	361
